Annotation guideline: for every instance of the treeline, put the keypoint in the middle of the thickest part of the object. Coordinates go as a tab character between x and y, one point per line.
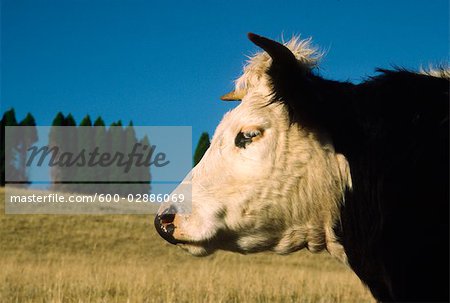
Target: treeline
70	142
115	138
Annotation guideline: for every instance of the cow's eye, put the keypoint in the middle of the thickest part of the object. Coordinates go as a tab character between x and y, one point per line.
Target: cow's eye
244	138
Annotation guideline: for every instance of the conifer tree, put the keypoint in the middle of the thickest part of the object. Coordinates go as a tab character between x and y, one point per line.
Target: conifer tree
86	144
54	140
117	145
26	138
8	145
144	171
202	146
99	122
86	121
101	142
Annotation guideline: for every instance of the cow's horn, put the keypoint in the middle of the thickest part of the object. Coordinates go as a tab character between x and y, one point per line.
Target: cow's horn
277	51
235	95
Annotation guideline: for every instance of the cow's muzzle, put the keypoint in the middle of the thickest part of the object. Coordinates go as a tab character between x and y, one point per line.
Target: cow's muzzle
164	225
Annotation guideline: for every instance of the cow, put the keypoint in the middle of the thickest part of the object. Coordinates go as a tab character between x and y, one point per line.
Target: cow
359	170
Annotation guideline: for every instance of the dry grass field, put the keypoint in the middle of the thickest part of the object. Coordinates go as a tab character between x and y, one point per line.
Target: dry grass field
120	258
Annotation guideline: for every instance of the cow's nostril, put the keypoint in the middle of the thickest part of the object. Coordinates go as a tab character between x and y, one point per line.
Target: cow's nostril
167	218
169	228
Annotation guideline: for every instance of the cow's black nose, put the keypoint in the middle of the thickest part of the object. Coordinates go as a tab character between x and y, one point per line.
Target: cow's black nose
164	225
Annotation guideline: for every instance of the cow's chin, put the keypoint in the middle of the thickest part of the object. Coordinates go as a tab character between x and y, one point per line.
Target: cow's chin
206	248
202	249
220	241
196	249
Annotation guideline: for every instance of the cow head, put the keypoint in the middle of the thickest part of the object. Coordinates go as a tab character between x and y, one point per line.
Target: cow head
267	182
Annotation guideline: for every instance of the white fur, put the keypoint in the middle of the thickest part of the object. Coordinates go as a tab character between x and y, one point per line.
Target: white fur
440	72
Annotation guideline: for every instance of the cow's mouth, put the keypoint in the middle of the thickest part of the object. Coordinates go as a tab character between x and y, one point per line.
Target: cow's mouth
165	228
222	240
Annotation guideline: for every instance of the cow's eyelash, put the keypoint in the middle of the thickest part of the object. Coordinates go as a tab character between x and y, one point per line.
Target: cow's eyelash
252	134
244	138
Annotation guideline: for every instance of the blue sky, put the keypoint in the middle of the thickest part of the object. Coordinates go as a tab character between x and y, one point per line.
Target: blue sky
168	62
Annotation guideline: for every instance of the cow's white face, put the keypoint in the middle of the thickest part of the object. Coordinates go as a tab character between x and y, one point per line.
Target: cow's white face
265	183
